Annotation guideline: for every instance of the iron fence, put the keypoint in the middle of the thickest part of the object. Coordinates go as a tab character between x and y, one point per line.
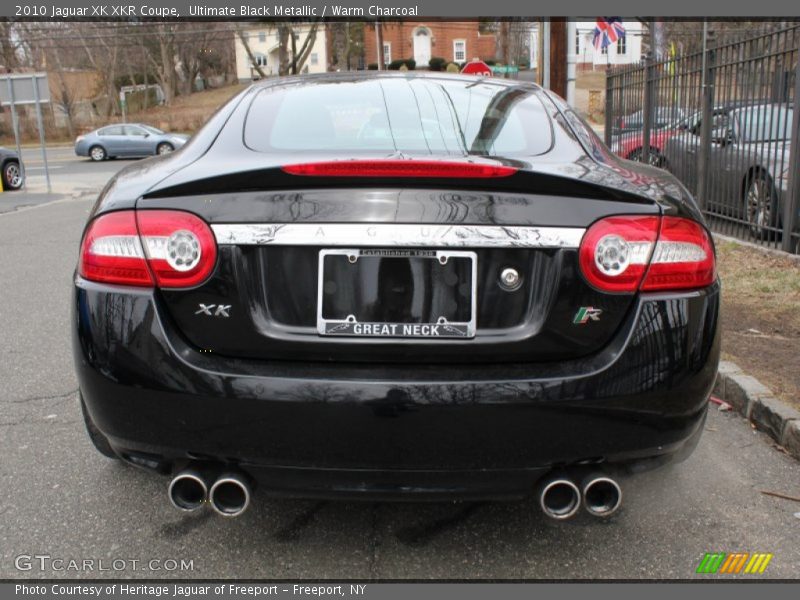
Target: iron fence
726	122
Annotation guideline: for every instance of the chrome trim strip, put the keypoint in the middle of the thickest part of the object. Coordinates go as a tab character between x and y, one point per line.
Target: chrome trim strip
386	235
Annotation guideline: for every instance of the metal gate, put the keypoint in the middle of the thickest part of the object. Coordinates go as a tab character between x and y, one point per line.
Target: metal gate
725	121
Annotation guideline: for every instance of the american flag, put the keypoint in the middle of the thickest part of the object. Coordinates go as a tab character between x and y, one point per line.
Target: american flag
607	31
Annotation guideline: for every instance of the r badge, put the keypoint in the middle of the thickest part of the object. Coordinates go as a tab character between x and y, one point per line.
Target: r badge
586	314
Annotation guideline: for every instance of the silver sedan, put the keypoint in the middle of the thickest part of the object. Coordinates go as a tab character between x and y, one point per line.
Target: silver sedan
748	164
127	140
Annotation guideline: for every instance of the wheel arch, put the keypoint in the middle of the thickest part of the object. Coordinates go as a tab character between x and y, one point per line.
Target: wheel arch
753	171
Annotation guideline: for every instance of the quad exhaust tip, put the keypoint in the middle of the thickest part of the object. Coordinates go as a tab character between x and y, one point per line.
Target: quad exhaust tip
230	495
602	496
560	499
188	491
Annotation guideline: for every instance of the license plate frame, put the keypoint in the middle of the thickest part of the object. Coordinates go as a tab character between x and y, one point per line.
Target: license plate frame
441	329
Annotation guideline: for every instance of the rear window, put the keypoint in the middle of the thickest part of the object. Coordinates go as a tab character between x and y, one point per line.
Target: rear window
387	116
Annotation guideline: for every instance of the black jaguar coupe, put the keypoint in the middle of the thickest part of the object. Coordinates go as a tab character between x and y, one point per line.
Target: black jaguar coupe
395	286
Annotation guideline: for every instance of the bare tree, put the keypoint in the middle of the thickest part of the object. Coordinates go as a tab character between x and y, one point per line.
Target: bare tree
291	59
299	57
65	98
198	52
162	58
44	54
243	37
339	44
9	46
103	53
284	32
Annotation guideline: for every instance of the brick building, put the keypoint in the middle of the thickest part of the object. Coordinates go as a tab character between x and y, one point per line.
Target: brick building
455	41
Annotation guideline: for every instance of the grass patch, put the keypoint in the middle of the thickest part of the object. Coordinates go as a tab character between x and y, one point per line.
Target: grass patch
768	284
761	316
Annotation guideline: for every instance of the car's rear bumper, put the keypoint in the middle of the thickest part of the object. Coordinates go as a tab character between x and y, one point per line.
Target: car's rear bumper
323	429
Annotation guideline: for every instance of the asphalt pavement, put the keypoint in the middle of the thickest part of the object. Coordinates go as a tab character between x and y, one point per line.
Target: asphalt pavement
70	176
60	498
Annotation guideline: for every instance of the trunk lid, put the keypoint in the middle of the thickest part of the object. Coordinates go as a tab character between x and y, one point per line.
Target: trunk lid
272	227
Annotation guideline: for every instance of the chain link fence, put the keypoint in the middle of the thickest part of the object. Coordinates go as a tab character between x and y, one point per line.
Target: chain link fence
725	121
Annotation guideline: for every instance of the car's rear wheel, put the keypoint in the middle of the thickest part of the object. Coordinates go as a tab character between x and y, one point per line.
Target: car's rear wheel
655	158
99	441
164	148
761	206
12	176
97	153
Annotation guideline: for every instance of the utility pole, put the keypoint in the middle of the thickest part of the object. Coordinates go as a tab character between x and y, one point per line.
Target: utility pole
379	44
546	53
558	56
505	42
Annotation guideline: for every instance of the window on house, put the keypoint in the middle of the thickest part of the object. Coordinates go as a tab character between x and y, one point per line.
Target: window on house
577	42
262	36
459	51
314	58
261	59
387	53
622	47
604	50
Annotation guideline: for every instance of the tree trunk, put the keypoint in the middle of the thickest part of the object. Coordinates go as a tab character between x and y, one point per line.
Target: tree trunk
294	50
250	56
284	30
168	68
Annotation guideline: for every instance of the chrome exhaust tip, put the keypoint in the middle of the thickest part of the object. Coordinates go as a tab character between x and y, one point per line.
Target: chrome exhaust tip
560	499
188	491
602	495
230	495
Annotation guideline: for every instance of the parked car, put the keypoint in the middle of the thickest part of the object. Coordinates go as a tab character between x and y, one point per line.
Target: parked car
12	172
128	140
631	146
748	161
388	285
663	116
627	138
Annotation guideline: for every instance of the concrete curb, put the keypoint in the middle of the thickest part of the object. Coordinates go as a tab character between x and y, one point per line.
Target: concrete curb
755	402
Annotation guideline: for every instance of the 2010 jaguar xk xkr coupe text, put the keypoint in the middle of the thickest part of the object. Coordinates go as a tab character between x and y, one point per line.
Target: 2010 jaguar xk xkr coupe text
395	285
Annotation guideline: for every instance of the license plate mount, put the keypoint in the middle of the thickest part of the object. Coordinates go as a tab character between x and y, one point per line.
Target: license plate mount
397	293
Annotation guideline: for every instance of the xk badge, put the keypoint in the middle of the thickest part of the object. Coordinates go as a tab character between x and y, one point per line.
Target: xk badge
214	310
586	314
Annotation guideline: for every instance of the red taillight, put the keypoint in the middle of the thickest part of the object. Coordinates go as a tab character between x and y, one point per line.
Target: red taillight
111	251
615	251
399	168
174	248
626	253
683	257
180	247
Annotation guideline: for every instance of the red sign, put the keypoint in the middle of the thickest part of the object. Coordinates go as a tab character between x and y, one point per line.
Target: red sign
477	67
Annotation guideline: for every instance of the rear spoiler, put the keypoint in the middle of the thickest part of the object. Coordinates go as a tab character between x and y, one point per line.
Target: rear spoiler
450	175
